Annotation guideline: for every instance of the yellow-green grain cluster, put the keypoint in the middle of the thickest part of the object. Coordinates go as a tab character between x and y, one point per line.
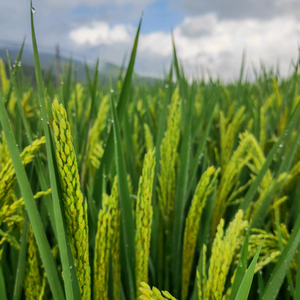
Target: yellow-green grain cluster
168	161
229	187
148	137
144	214
138	149
107	244
270	251
227	134
75	209
154	294
203	189
8	175
4	155
222	253
12	215
10	206
115	240
4	80
95	150
102	248
35	282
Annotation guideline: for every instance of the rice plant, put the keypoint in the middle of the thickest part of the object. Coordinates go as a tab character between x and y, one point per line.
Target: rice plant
175	190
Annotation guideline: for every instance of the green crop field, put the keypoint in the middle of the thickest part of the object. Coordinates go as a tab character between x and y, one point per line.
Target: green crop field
174	190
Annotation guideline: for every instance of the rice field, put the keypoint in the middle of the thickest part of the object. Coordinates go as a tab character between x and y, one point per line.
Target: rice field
176	190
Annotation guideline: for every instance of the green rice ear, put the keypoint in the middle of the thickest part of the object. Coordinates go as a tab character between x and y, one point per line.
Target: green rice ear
75	210
144	215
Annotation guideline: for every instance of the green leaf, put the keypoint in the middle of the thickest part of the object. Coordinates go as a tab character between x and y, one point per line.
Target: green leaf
14	72
2	286
127	225
283	264
241	268
21	260
297	288
30	204
246	283
37	160
129	151
180	199
202	143
70	281
108	154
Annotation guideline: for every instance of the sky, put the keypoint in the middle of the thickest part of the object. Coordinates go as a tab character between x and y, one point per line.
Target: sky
210	35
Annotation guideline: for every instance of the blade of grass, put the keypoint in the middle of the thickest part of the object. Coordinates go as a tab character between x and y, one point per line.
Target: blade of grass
202	143
122	104
21	260
261	284
31	207
2	286
180	199
297	288
199	270
241	268
245	285
15	70
283	264
161	129
175	60
279	236
70	282
37	159
130	152
127	225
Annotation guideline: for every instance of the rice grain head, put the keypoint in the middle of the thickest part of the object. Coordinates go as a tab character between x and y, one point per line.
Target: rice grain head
102	249
203	190
144	213
74	208
154	294
168	161
223	250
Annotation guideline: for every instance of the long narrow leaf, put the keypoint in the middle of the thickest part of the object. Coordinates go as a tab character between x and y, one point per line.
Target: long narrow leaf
127	225
21	260
283	264
70	282
2	286
180	199
241	268
35	220
122	104
245	286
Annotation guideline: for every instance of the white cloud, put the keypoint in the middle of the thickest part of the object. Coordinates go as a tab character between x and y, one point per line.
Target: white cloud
100	33
218	44
158	43
205	42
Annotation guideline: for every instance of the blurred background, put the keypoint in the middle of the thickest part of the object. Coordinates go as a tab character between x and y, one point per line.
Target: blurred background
210	35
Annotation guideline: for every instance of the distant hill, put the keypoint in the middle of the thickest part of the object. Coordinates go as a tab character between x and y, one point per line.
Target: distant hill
47	61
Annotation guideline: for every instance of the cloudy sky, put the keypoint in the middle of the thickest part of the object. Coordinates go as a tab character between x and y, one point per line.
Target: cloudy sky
210	35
